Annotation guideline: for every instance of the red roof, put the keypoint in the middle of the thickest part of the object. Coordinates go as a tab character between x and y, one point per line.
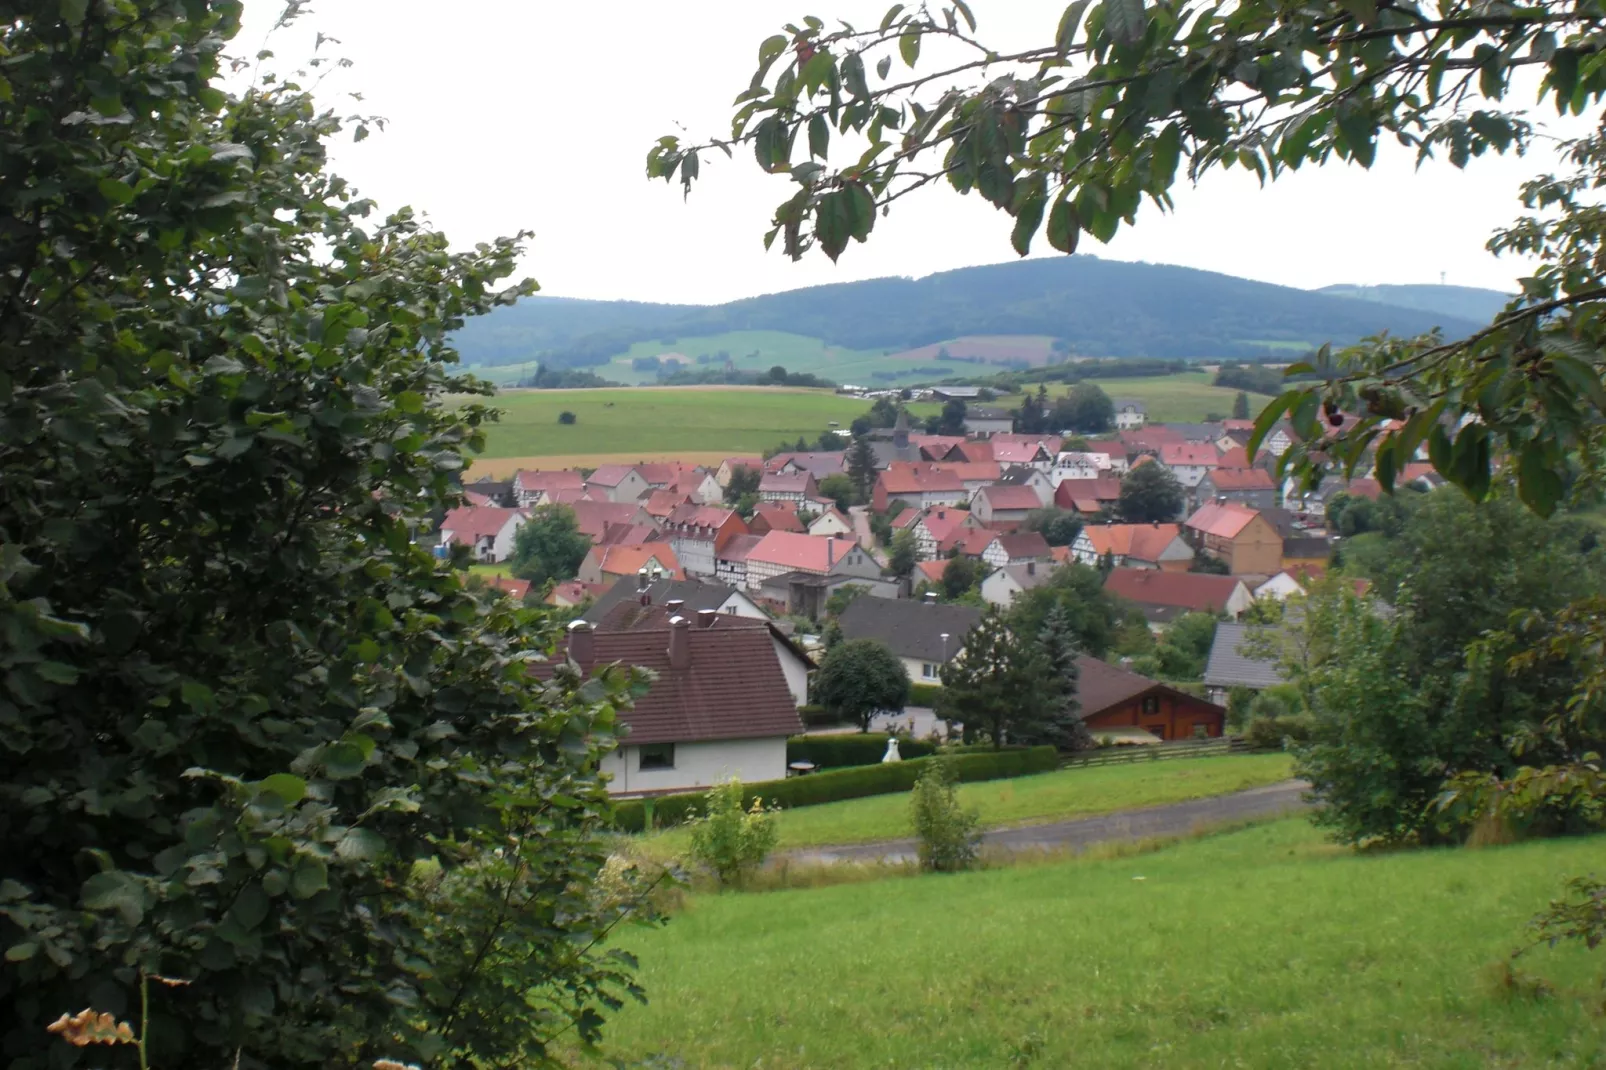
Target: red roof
970	542
1105	490
1051	443
475	498
1241	479
1010	497
627	560
1023	545
755	463
905	519
626	534
1139	542
516	587
660	503
804	553
593	517
738	548
561	479
1364	488
1235	458
943	521
661	475
932	570
470	522
971	471
1109	449
910	478
1019	452
936	447
731	687
1197	591
1151	437
1222	519
692	515
1189	454
611	475
771	517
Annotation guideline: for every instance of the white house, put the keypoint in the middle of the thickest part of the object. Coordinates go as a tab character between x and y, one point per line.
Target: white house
1001	504
697	533
1010	582
1189	461
984	420
832	522
534	488
618	483
1016	548
787	487
1156	546
1129	414
1041	483
486	530
780	552
924	636
1282	586
1079	465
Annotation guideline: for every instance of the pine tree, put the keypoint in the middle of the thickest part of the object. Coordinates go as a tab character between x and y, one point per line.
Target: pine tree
1240	406
861	467
1062	726
1001	685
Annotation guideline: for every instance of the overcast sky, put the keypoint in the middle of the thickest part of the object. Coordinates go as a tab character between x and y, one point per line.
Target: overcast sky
533	114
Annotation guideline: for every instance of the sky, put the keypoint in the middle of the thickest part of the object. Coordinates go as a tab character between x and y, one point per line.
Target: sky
508	115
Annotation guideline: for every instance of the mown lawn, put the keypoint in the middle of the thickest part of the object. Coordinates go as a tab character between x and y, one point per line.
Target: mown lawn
1260	948
1040	798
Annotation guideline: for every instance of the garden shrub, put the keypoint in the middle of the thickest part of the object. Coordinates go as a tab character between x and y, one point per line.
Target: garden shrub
818	717
732	839
945	831
924	695
860	748
1273	733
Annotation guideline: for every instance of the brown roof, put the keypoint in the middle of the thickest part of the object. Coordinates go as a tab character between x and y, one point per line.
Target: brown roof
731	688
1140	542
593	517
1116	448
1236	458
1011	497
1100	686
661	503
984	471
1051	443
625	534
739	547
611	475
787	482
772	517
1023	545
932	570
1222	519
1102	490
700	516
971	542
943	520
936	447
631	559
561	479
907	478
660	474
1186	590
1187	453
470	522
801	552
1241	479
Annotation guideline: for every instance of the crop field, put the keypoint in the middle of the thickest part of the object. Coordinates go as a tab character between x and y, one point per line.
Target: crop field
1261	948
1186	397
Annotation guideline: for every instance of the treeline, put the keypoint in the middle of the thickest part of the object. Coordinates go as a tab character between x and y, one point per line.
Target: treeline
776	376
563	379
1077	371
1258	378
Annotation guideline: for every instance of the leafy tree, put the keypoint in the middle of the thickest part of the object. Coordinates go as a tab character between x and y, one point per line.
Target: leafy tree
839	488
959	575
945	832
1185	647
1032	416
241	706
549	546
903	555
1096	617
831	635
1240	406
566	417
1209	565
951	421
1086	410
743	481
860	678
843	597
861	467
1000	683
1150	494
1059	527
746	504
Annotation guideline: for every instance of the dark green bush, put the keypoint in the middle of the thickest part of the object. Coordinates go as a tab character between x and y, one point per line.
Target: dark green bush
818	717
852	783
924	694
859	748
1270	733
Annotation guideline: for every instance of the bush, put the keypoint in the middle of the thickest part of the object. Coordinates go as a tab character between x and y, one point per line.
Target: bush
1273	733
946	831
818	717
860	748
731	839
924	694
854	783
566	417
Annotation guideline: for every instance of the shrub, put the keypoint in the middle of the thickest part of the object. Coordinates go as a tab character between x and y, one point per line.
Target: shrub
852	783
730	839
818	717
924	695
1274	733
860	748
946	832
566	417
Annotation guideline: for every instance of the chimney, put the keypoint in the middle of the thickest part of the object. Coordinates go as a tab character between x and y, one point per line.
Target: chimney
582	643
707	617
679	642
674	606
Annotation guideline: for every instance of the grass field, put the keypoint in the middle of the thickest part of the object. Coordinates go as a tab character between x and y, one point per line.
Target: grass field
1045	797
1186	397
1262	948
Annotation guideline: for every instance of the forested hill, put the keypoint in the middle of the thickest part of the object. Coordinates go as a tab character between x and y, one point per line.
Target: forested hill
1464	302
1095	307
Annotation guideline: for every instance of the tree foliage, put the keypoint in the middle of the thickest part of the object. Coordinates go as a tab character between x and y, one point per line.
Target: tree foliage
861	467
1095	616
840	488
241	706
1001	686
744	481
1150	494
945	832
1086	410
549	546
860	678
1059	527
903	554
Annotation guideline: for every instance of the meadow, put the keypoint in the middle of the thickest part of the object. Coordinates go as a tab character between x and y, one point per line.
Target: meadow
1185	397
1020	800
1265	947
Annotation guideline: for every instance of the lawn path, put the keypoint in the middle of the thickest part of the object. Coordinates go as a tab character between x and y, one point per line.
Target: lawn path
1172	819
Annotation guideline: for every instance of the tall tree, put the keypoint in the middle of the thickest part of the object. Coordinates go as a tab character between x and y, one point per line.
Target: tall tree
1062	725
959	575
951	421
999	683
904	554
1095	615
861	467
1150	494
1240	406
840	489
549	546
1059	527
743	482
1087	410
241	704
859	678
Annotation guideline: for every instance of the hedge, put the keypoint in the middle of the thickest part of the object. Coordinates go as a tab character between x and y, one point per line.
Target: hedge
631	815
818	717
858	748
924	694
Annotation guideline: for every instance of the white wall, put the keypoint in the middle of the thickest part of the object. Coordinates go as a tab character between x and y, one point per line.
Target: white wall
999	589
699	765
796	673
913	666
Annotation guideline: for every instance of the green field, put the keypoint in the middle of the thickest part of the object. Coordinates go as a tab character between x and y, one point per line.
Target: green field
1045	797
1262	948
1186	397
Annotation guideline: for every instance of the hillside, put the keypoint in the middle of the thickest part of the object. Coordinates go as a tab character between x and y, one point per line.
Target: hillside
1077	305
1462	302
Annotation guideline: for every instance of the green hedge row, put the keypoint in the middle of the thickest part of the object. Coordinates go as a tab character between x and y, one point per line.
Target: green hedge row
924	694
857	748
818	717
856	783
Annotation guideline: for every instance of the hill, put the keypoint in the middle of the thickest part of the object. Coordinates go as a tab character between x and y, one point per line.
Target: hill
1460	302
1022	312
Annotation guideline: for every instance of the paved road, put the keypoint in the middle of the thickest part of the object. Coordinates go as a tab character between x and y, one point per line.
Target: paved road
1175	819
860	515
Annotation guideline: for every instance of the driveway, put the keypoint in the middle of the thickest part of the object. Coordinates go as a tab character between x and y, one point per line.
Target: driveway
860	515
1174	819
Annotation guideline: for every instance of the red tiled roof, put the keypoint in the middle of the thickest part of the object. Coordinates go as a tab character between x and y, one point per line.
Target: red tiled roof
568	496
474	498
1198	591
978	450
932	570
1237	425
802	552
1235	458
660	503
1241	479
1108	448
905	519
942	521
731	688
560	479
738	548
571	593
971	542
1104	490
1022	545
908	478
1140	542
611	475
936	447
661	474
593	517
755	463
1018	452
971	471
1151	437
1221	519
627	560
772	517
470	522
1187	453
1051	443
692	515
1364	488
626	534
1011	497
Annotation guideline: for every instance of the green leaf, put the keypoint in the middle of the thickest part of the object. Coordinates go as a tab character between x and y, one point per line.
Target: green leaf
1268	419
1064	228
115	190
1164	156
1582	378
291	789
890	17
360	845
250	906
309	877
1539	485
819	137
73	12
56	672
909	44
883	67
1125	20
1065	36
115	890
1031	196
21	952
853	75
1469	461
343	760
862	207
771	47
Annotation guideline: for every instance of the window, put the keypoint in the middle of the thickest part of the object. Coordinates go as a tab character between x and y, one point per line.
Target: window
928	670
1151	704
656	756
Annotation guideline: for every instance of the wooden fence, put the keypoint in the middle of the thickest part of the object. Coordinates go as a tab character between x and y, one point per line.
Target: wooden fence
1158	752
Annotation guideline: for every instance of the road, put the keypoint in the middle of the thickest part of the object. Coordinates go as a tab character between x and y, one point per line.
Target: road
1174	819
860	515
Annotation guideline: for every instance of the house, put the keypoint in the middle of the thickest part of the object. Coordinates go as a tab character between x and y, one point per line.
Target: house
956	393
938	447
697	533
1130	413
969	451
617	483
608	564
1238	536
730	563
695	595
785	551
1306	550
1088	496
1080	464
1189	462
1278	441
1032	454
719	705
973	475
988	420
1113	698
488	491
698	485
787	487
659	476
627	534
818	465
486	530
1157	546
832	522
919	485
722	475
1234	662
771	517
929	572
1253	487
660	503
806	594
1026	476
925	636
967	542
933	528
1115	450
1309	502
1287	584
1017	548
1163	596
1003	586
891	447
594	517
1002	503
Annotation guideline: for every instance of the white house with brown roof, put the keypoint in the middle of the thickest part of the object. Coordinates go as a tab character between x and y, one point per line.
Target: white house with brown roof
832	522
933	528
1005	585
722	475
696	533
1158	546
919	485
730	561
1016	548
486	530
1022	475
608	564
1001	503
532	488
618	483
1253	487
787	487
1080	464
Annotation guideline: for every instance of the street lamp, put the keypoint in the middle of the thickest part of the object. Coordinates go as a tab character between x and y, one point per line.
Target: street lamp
945	648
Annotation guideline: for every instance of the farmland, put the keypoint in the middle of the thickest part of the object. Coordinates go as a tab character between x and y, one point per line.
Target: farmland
1265	947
